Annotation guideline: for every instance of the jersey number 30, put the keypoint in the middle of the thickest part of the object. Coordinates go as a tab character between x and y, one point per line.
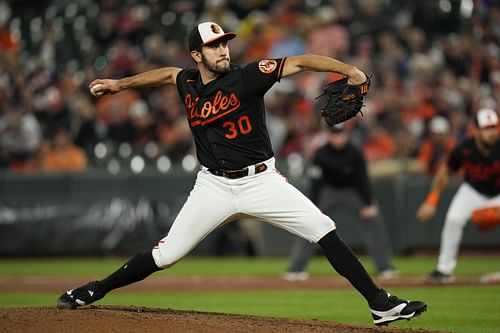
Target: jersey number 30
242	125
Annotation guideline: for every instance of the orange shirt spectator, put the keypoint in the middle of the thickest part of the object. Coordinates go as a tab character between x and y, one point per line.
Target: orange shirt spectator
439	143
7	41
63	155
114	109
379	145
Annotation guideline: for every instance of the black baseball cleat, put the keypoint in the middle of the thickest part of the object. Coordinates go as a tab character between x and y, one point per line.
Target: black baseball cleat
77	297
387	308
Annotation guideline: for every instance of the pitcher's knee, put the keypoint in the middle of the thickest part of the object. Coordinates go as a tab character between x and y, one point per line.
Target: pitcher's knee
164	258
321	226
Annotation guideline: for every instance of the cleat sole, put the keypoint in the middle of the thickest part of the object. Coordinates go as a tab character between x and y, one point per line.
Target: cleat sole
417	313
61	305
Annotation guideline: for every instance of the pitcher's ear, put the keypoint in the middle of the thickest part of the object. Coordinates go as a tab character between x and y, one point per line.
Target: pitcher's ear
196	55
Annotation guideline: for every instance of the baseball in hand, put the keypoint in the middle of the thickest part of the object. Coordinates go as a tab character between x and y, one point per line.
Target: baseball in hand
97	89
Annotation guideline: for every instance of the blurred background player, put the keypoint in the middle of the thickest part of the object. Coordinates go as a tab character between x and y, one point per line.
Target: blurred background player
339	180
479	159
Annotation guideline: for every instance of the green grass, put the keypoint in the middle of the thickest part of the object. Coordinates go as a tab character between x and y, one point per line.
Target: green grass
463	309
471	265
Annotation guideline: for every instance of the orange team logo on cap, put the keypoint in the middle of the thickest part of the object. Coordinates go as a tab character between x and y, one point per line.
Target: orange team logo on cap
215	29
267	66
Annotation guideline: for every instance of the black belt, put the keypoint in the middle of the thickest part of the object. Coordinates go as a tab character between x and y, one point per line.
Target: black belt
238	173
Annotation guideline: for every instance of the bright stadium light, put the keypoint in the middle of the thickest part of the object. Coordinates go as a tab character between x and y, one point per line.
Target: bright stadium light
124	150
137	164
163	164
100	150
189	163
151	149
466	8
114	167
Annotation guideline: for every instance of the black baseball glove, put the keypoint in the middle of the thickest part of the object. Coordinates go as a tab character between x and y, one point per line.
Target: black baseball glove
344	100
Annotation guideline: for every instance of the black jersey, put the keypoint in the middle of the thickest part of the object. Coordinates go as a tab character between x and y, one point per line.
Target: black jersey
480	171
341	168
227	116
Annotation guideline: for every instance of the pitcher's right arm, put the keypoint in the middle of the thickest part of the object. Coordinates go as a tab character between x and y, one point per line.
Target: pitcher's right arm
153	78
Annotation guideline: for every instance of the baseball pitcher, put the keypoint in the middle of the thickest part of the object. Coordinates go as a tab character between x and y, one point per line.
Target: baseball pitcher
225	110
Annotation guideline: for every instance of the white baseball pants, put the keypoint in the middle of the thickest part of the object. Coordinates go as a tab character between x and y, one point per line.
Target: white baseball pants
215	200
465	201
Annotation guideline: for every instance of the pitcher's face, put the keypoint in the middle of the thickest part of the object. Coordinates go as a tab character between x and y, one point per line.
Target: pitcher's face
215	57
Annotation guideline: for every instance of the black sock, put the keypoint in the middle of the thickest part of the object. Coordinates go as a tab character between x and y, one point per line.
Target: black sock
136	269
348	265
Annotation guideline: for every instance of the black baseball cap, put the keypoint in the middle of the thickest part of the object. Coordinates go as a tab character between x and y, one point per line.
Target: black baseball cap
206	33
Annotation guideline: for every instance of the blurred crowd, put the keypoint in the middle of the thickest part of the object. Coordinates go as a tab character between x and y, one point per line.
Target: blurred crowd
433	65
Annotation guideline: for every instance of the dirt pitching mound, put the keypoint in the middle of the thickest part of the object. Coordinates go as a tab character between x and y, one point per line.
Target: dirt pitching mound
132	319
